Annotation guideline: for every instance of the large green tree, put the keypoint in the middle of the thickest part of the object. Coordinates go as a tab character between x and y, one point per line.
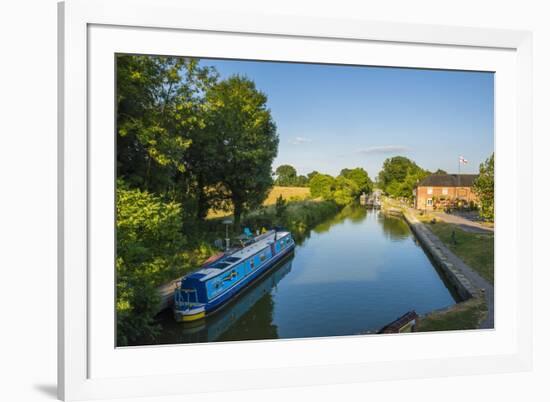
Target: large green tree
484	187
246	141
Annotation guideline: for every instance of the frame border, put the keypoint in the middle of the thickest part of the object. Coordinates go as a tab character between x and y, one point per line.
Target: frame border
74	16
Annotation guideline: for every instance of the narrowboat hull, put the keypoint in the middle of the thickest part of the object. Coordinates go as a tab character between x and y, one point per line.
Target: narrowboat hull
197	311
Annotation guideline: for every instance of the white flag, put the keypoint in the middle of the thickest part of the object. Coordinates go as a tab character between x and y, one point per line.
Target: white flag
463	160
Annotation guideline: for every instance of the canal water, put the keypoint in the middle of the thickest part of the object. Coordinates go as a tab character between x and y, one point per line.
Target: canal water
351	275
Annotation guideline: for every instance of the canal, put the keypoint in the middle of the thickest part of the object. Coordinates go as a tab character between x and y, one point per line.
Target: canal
352	274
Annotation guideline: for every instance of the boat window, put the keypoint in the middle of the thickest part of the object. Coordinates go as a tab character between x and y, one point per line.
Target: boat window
262	257
232	259
220	265
252	263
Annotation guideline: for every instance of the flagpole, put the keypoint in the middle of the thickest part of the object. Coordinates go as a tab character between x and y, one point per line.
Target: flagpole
458	188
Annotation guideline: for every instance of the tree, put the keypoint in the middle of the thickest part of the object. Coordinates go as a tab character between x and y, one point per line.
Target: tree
360	177
311	174
399	176
286	175
484	187
158	109
280	206
345	191
440	171
148	243
246	141
301	181
322	185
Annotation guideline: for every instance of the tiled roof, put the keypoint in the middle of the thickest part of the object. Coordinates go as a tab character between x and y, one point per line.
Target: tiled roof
448	180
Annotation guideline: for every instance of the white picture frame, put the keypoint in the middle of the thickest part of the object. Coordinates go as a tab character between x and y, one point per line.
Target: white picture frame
91	367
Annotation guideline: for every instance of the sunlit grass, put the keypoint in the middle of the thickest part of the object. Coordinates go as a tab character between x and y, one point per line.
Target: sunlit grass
475	249
288	193
465	315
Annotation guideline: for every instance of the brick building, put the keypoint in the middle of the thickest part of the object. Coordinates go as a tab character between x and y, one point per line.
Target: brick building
444	190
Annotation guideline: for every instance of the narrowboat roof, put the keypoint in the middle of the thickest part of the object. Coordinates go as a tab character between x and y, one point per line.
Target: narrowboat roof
261	242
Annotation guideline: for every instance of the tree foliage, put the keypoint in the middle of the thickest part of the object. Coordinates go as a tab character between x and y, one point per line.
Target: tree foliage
158	109
149	240
360	177
286	175
322	185
247	141
399	176
345	191
484	187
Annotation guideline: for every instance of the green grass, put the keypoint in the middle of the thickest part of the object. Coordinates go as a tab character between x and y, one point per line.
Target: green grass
465	315
299	216
475	249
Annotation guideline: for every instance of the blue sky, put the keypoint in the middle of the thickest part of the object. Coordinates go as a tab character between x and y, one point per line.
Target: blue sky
331	117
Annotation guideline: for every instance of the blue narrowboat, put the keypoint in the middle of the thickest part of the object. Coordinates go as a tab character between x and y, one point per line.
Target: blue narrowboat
220	280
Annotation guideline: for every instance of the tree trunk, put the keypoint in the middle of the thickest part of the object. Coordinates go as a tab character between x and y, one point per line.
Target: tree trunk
202	200
237	212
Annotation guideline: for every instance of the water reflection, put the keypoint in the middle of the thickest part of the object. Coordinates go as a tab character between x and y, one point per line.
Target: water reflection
394	227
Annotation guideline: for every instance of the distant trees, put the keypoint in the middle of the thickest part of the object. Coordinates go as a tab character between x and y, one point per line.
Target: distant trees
322	185
484	187
343	189
286	175
440	171
311	174
399	176
360	177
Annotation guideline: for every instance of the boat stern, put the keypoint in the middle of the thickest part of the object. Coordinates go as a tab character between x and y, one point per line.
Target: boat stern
191	313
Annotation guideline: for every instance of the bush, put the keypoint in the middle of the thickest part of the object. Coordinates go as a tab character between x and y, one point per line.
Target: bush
148	245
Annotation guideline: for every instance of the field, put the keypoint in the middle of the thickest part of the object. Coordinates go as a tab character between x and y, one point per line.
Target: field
288	193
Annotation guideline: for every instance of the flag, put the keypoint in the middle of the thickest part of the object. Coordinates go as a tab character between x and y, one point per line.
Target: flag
463	160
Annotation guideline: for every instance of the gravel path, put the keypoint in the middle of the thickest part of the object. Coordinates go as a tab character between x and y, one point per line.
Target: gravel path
465	224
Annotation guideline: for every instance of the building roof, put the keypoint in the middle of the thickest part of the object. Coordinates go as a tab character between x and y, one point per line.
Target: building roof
448	180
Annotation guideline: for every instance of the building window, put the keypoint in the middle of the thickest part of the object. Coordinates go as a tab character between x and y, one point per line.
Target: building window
430	190
429	202
445	191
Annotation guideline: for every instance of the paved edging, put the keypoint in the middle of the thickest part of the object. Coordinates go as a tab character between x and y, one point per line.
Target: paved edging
467	282
456	278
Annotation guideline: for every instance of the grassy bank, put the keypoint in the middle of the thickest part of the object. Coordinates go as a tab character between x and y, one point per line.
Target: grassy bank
299	216
475	249
465	315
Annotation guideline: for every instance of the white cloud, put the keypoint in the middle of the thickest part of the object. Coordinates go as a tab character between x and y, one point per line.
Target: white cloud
300	140
383	150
